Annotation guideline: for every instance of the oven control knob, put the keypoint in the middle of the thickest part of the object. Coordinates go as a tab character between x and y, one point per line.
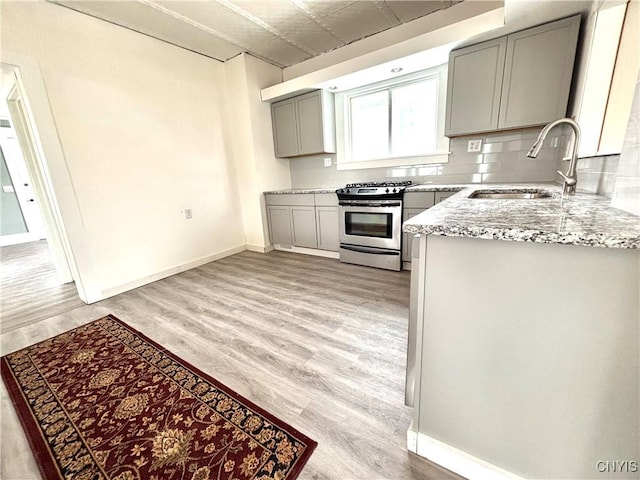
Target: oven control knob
387	190
394	190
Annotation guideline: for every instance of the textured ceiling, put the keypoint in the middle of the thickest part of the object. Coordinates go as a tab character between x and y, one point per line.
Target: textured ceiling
282	32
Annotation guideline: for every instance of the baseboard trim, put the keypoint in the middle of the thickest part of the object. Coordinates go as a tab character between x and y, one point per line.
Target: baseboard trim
455	460
125	287
308	251
259	248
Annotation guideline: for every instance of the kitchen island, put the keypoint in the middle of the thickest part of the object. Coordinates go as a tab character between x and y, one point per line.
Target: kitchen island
528	337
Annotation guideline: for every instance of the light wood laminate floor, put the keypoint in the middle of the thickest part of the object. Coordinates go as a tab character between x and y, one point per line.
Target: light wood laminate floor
29	287
318	343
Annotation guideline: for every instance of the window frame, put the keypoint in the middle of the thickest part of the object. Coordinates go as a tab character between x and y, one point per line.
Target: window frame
343	122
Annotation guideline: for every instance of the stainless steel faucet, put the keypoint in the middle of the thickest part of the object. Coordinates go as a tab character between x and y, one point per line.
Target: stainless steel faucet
570	178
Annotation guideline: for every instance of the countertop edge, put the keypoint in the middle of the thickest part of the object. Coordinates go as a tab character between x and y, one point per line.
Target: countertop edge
461	216
411	189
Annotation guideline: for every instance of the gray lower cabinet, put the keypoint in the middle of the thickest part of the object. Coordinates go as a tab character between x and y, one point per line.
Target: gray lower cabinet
303	227
414	204
280	224
519	80
327	221
408	213
292	225
440	196
303	220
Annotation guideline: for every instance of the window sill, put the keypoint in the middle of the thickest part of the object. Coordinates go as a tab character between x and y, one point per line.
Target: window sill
442	157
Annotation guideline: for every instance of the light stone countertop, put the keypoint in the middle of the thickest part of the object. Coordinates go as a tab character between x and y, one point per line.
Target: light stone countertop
301	191
428	187
412	188
582	219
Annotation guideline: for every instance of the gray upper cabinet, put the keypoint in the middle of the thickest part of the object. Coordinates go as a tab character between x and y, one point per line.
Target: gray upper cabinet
516	81
310	131
304	125
285	133
474	85
537	74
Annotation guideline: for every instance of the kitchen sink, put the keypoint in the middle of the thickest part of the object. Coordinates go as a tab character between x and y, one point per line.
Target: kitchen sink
511	194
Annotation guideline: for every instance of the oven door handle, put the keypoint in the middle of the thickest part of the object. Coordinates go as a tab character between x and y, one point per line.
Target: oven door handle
374	251
363	204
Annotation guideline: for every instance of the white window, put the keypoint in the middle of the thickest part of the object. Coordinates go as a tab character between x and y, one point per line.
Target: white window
396	122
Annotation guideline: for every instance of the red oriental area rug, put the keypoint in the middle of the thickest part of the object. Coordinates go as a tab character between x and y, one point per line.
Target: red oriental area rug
102	401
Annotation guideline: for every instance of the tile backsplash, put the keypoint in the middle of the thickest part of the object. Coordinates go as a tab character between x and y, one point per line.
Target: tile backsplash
502	159
626	191
595	174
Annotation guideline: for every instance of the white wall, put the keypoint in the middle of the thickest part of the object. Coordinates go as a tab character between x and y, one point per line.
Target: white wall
251	142
141	126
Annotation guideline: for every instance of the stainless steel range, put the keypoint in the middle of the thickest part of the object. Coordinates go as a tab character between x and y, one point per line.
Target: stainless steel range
371	224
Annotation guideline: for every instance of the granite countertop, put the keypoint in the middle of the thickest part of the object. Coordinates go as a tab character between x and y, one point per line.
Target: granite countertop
428	187
582	219
413	188
302	190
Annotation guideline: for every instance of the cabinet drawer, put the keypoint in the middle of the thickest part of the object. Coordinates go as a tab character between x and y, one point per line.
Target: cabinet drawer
422	200
326	200
440	196
290	199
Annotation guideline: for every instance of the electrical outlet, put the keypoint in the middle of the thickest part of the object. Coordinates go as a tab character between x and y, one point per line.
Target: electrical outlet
327	162
474	145
187	213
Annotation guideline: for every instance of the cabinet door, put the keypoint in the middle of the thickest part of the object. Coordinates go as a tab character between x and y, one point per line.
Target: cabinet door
280	225
303	222
310	131
408	213
285	129
537	76
328	228
440	196
473	87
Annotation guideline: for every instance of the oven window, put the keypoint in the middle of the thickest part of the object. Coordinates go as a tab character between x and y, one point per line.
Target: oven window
368	224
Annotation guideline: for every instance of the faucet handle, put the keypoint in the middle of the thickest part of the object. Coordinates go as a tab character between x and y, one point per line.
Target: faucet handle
569	181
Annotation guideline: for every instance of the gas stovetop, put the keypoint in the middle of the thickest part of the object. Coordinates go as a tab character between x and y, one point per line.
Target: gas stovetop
373	188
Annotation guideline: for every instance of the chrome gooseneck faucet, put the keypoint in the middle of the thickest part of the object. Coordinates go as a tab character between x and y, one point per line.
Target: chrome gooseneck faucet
570	178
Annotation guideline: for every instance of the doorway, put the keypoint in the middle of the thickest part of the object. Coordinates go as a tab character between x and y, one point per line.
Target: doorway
37	280
21	220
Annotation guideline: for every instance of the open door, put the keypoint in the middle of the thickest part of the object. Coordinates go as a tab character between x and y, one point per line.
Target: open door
21	217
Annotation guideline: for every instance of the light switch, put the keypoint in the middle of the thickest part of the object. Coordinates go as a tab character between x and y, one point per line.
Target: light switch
327	162
7	188
474	145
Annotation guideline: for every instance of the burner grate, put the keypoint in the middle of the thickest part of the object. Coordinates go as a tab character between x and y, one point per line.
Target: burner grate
404	183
